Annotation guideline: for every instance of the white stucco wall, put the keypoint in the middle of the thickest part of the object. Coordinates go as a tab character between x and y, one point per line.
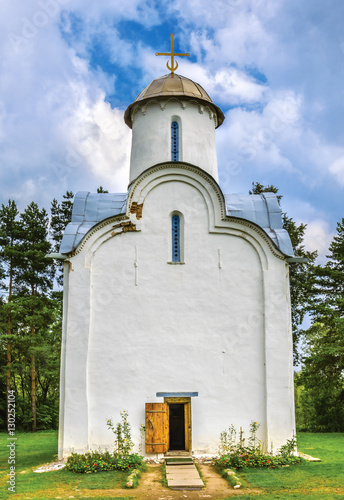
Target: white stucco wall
151	138
219	324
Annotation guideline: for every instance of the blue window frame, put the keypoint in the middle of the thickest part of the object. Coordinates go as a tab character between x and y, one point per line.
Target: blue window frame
175	238
174	141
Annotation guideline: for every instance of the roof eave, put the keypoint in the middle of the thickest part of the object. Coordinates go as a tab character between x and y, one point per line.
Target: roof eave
219	113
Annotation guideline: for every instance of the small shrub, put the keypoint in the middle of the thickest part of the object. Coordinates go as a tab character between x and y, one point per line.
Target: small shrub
288	449
237	456
248	461
88	462
102	462
254	444
133	461
120	459
122	432
227	440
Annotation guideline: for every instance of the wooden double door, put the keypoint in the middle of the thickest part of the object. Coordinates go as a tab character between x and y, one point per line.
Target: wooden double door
168	425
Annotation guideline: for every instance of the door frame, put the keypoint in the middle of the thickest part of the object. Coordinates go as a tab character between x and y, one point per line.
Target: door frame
187	419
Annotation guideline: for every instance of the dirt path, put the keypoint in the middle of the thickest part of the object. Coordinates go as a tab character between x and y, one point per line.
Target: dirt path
150	487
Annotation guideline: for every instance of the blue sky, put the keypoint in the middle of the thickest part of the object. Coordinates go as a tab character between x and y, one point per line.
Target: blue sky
69	69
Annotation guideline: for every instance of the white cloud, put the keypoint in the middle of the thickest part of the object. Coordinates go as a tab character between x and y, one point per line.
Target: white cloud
228	85
259	137
318	236
142	11
99	142
279	138
337	170
52	106
283	60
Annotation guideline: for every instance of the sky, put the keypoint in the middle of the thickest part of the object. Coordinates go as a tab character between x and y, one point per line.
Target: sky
70	68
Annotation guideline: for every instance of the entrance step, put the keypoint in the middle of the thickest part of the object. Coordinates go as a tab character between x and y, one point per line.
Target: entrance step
179	461
178	453
183	475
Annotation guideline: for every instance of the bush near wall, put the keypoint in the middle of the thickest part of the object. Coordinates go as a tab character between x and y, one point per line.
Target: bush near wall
249	461
98	461
236	455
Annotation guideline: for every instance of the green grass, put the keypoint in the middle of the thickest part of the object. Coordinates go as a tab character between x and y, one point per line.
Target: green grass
318	480
163	476
322	481
33	450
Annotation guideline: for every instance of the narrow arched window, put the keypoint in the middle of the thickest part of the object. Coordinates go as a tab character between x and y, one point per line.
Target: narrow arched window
174	141
175	238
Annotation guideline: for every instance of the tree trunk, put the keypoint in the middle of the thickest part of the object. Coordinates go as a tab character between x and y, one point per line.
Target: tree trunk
9	353
33	392
33	387
8	378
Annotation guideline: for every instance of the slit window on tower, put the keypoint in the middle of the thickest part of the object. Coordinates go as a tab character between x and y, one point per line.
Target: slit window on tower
174	141
175	238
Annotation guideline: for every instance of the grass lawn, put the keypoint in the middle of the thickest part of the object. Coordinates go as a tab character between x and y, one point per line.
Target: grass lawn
323	480
33	450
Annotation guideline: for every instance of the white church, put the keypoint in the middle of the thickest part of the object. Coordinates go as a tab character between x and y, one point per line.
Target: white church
176	295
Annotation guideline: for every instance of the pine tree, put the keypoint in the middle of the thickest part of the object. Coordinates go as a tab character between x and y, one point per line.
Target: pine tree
35	281
9	234
330	281
61	215
323	372
31	312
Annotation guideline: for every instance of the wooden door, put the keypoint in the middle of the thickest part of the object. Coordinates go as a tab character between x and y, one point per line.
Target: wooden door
187	418
156	427
187	411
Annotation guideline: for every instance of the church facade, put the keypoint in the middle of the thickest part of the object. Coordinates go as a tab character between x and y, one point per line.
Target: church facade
176	296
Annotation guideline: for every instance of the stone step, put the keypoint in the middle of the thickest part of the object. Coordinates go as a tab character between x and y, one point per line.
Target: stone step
183	476
174	464
184	484
178	459
176	454
179	466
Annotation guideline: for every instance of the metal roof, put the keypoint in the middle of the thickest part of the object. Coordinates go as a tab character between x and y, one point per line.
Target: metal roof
90	209
264	210
173	85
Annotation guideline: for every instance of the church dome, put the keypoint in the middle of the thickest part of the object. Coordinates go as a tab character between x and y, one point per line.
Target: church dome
173	85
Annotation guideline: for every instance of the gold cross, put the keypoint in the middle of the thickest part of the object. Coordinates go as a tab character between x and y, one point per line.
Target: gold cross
173	67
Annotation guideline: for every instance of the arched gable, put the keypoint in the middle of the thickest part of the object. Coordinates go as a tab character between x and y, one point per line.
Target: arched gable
218	219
